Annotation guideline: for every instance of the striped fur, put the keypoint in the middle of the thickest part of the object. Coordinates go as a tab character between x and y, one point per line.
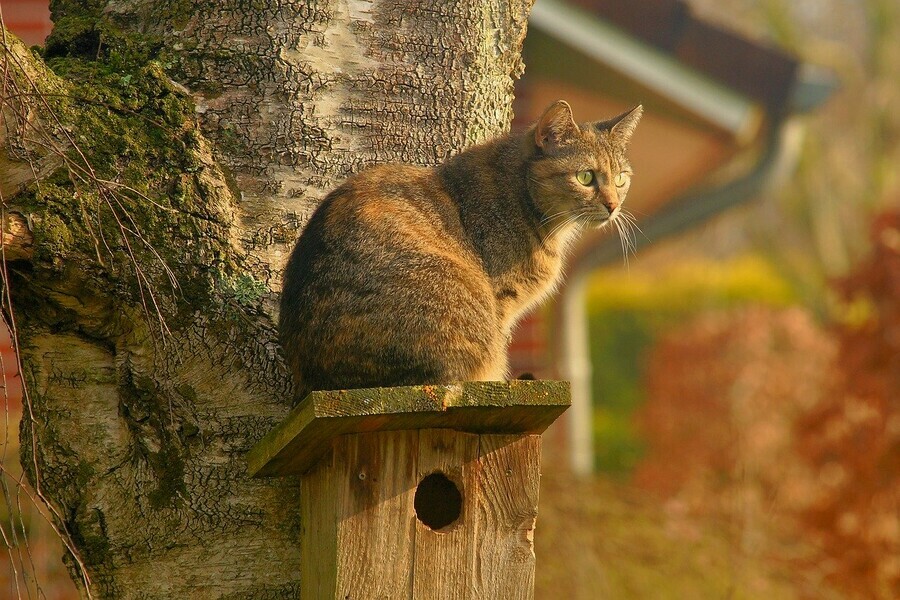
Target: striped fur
407	275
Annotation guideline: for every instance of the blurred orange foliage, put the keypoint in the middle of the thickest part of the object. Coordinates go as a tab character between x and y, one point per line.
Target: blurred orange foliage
791	431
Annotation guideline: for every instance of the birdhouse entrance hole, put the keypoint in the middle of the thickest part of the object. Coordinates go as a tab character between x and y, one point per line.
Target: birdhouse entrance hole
426	450
438	501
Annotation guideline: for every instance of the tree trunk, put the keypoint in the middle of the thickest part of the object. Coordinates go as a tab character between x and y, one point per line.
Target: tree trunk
179	148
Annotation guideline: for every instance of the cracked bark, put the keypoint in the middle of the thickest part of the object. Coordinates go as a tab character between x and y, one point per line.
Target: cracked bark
140	436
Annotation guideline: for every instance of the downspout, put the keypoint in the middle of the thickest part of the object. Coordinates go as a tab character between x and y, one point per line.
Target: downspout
575	366
781	146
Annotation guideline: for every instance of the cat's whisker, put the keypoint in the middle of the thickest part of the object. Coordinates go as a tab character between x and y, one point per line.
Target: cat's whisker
571	218
553	226
631	227
574	218
629	219
640	212
627	228
633	222
633	238
561	219
557	228
622	243
626	233
549	218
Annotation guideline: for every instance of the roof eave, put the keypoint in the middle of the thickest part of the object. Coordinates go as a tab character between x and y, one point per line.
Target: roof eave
691	90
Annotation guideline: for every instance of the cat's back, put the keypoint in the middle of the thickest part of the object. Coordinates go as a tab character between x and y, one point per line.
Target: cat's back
403	202
381	277
391	219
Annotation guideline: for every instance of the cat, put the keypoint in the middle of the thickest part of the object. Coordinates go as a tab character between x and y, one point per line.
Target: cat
409	275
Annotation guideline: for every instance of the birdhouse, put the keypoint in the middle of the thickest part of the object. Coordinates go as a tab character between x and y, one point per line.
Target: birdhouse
416	492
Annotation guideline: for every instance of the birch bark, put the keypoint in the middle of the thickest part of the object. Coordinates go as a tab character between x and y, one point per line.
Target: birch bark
179	149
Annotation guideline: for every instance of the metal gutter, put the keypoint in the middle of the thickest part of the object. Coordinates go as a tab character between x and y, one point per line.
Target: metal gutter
676	217
659	72
694	207
698	94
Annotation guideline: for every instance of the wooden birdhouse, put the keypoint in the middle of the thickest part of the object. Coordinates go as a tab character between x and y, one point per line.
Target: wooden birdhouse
416	492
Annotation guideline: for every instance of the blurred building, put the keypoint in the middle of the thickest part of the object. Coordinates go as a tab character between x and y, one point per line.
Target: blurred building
28	19
718	111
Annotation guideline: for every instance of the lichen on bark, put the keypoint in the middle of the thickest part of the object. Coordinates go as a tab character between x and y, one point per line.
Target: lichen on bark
194	139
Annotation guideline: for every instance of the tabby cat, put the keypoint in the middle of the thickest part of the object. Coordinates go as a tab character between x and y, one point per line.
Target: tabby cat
407	275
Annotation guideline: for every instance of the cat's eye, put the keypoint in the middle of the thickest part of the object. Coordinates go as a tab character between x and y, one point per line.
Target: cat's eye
585	177
621	179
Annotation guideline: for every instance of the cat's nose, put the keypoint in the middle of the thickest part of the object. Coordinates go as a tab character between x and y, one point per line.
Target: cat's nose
610	201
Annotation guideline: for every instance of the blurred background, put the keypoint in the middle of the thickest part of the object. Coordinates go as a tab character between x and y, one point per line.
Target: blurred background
735	361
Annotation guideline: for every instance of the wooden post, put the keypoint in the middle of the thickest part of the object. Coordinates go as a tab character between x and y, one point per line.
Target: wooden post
416	492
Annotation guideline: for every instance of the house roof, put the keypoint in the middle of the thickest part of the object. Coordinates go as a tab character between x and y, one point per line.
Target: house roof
716	105
617	61
760	71
731	91
28	19
662	44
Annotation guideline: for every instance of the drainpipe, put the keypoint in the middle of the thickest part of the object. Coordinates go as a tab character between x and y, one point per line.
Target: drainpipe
779	152
575	365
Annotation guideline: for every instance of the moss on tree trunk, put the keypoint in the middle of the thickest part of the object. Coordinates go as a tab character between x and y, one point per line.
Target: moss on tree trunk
193	139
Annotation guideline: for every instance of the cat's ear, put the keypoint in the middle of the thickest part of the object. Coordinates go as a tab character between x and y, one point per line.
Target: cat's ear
555	126
622	127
